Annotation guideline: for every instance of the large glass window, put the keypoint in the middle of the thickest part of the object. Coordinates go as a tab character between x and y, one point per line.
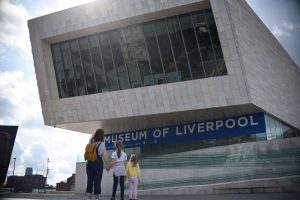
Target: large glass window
130	52
115	38
79	74
154	55
59	71
191	46
98	64
69	71
87	66
178	49
167	50
108	62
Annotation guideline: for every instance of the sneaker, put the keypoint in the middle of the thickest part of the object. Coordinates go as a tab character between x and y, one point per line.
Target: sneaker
89	196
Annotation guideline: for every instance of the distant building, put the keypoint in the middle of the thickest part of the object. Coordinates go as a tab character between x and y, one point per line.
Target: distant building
67	185
7	140
28	171
26	183
62	186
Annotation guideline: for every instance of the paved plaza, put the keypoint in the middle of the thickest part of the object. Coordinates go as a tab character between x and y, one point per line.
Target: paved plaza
258	196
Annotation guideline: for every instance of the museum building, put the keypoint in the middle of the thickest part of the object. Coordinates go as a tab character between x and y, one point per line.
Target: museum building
200	89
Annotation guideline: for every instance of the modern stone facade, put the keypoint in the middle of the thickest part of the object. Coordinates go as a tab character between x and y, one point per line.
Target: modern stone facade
249	82
261	77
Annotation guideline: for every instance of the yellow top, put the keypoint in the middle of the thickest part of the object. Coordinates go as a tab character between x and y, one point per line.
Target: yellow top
133	171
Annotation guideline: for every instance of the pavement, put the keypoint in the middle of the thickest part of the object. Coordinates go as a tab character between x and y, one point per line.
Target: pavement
256	196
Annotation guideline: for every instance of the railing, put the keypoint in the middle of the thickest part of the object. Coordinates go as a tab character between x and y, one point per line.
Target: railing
230	167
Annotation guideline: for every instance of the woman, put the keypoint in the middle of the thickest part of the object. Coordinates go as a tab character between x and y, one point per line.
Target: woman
119	161
94	170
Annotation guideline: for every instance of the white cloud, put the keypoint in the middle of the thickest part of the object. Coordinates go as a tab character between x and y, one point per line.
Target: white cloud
288	26
279	32
284	29
36	142
13	23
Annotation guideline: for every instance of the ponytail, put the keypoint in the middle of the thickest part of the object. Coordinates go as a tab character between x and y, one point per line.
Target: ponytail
119	147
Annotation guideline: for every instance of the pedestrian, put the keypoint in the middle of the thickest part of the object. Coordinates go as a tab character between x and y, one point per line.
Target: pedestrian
94	169
133	175
119	161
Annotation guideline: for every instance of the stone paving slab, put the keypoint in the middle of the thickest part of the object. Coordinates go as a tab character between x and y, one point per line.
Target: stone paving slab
261	196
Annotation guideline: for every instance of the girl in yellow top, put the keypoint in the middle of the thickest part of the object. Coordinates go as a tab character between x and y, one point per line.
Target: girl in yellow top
133	175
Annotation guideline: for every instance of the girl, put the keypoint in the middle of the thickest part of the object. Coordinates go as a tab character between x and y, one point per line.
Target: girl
134	176
119	161
94	170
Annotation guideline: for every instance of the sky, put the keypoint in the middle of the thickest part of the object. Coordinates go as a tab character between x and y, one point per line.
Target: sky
19	98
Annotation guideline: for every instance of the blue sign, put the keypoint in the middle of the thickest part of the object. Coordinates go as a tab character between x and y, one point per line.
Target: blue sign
211	129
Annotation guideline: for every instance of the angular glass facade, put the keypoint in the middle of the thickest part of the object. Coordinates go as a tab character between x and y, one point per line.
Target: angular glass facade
173	49
232	165
274	129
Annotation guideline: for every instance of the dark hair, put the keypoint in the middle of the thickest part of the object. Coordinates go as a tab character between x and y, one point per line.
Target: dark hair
119	146
99	135
134	159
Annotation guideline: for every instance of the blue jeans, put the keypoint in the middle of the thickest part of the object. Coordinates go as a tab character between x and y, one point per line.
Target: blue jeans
94	171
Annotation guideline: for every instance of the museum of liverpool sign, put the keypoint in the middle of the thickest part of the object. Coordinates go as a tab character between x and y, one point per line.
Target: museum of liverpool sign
211	129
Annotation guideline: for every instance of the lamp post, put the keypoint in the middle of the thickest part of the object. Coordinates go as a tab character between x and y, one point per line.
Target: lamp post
13	176
47	172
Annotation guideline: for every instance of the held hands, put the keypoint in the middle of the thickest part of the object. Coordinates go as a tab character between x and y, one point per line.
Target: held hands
107	167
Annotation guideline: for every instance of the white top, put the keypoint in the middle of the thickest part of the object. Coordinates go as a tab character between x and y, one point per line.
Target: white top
119	167
101	148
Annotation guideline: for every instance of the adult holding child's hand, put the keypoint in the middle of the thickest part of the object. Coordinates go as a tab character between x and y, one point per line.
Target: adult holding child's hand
94	168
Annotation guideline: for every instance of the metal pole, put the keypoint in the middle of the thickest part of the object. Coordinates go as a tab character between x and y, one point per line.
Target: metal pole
47	172
13	176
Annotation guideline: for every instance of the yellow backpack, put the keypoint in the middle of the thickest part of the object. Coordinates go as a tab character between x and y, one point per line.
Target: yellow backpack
91	153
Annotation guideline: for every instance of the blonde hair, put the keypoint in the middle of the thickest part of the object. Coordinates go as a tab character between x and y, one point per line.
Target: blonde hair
134	159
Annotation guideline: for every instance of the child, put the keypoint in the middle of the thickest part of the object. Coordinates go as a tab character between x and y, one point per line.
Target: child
119	161
134	176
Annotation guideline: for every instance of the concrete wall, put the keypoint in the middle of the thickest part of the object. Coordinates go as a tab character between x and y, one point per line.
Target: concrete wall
95	109
273	79
261	75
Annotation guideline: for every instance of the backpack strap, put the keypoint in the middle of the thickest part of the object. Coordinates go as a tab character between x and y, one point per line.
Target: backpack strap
97	148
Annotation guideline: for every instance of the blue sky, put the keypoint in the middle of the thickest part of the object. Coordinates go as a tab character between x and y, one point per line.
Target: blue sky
19	99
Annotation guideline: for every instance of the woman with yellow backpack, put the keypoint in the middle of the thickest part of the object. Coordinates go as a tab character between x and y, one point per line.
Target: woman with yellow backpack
95	154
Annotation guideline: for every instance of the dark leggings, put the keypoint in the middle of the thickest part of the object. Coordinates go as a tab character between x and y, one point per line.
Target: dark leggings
116	180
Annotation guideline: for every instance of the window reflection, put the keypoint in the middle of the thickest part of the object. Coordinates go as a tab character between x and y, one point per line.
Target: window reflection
191	46
115	38
87	66
98	64
108	62
69	71
59	71
130	50
178	49
79	77
154	56
168	50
